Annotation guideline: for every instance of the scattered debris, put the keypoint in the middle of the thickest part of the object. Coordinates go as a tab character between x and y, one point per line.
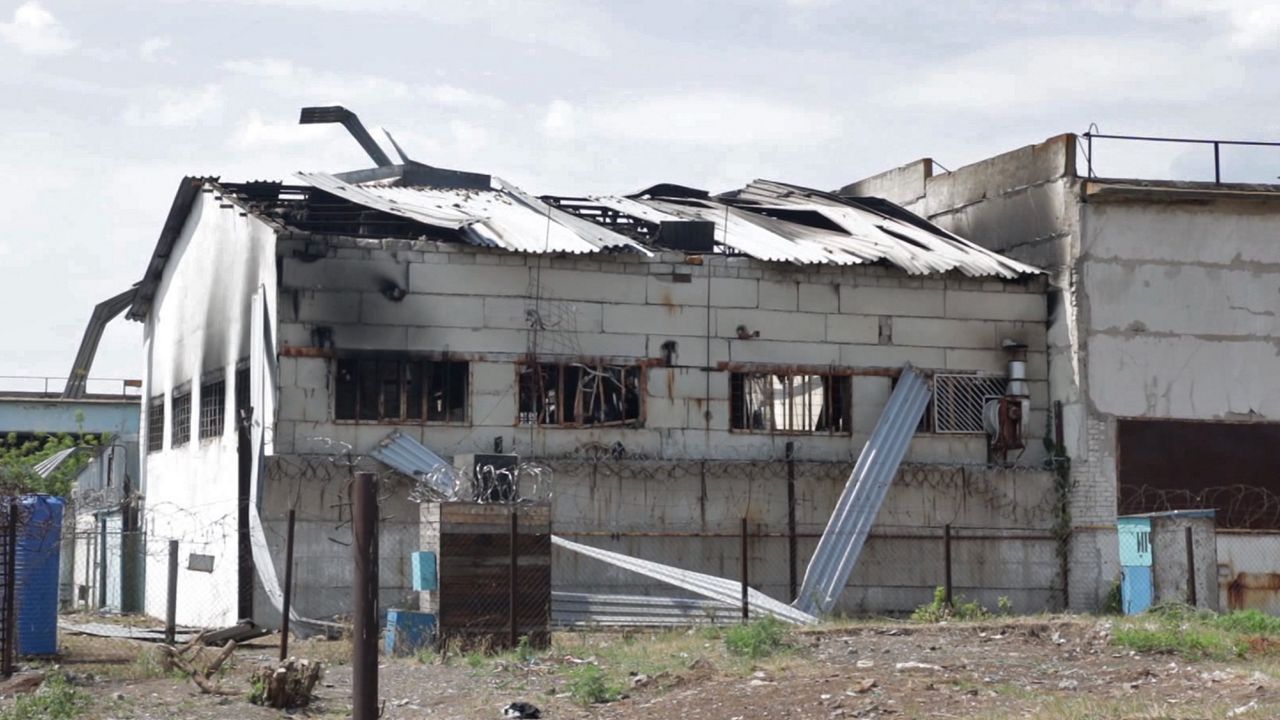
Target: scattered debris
189	659
19	683
913	665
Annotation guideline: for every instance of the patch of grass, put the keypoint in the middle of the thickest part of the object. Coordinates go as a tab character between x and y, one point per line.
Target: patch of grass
1197	634
55	700
961	609
589	685
757	639
476	660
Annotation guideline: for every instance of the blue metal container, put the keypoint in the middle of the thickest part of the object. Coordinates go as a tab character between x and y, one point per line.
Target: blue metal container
408	631
39	540
1137	589
424	571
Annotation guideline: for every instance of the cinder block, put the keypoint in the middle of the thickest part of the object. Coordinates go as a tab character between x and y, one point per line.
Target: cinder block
369	337
967	304
931	332
662	290
1032	334
776	295
328	307
994	361
687	383
422	310
472	280
891	356
602	345
339	274
576	285
869	300
734	293
817	298
467	340
853	329
663	412
311	373
772	325
783	353
870	394
655	319
691	351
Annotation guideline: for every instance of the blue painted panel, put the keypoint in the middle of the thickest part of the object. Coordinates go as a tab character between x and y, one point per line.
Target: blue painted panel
424	571
407	632
1136	589
1135	540
39	538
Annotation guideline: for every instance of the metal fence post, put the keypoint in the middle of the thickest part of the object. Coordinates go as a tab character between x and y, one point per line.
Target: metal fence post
288	588
512	605
364	651
171	603
746	607
793	580
1191	570
946	563
10	585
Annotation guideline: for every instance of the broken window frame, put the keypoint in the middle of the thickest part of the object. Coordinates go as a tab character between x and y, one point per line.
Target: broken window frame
538	384
395	388
155	424
213	405
181	416
795	406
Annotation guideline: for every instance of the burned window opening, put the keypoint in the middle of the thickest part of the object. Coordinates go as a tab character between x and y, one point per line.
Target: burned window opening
213	407
181	418
155	424
791	403
391	389
580	395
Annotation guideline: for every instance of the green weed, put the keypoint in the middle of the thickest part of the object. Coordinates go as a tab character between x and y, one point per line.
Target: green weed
55	700
588	685
757	639
937	610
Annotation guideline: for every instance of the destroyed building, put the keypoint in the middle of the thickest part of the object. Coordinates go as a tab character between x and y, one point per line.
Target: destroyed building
676	360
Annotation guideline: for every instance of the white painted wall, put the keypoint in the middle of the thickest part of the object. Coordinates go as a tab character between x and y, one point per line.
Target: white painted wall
199	322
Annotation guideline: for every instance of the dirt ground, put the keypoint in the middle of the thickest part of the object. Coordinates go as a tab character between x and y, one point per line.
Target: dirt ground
1058	667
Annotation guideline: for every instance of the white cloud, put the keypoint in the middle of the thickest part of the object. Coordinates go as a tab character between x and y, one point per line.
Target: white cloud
708	118
151	48
318	87
1249	24
201	106
254	132
35	31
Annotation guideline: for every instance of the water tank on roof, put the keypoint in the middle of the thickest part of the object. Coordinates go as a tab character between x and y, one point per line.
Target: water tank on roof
39	539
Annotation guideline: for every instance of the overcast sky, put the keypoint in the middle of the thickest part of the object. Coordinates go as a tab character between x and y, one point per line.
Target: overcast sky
108	104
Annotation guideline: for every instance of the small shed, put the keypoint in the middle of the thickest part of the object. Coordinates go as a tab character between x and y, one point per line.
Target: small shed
492	565
1168	557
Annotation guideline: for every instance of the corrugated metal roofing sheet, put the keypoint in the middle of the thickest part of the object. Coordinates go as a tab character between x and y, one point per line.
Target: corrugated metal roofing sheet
841	543
416	460
503	216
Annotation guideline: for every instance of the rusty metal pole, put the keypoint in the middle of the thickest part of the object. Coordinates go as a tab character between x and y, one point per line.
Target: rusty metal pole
171	604
746	607
946	563
793	579
288	589
10	584
364	641
1191	570
512	604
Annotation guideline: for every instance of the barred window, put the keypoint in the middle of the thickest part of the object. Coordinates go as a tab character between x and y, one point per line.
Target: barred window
579	394
959	400
391	389
791	403
181	418
155	424
213	408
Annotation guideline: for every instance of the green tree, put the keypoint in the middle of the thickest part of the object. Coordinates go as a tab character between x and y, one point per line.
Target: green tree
19	456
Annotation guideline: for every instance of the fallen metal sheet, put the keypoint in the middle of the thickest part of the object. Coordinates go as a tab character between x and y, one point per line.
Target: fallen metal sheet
504	216
46	467
573	610
841	543
412	458
125	632
709	586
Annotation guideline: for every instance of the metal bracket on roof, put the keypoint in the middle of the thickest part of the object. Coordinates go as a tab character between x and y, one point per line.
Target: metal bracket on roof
348	119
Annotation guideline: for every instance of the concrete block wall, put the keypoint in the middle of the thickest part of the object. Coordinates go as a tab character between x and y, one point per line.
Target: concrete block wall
479	304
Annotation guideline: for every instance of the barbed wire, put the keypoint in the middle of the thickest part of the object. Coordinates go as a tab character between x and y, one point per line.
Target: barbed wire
1237	506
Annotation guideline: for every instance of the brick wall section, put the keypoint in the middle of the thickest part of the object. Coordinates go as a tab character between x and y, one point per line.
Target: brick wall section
479	303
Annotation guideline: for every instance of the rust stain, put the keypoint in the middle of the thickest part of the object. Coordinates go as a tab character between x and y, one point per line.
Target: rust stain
668	303
1257	591
671	384
781	369
309	352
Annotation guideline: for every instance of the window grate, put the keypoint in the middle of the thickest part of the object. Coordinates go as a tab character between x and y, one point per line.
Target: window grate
155	424
959	399
213	407
181	419
389	389
791	403
580	394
